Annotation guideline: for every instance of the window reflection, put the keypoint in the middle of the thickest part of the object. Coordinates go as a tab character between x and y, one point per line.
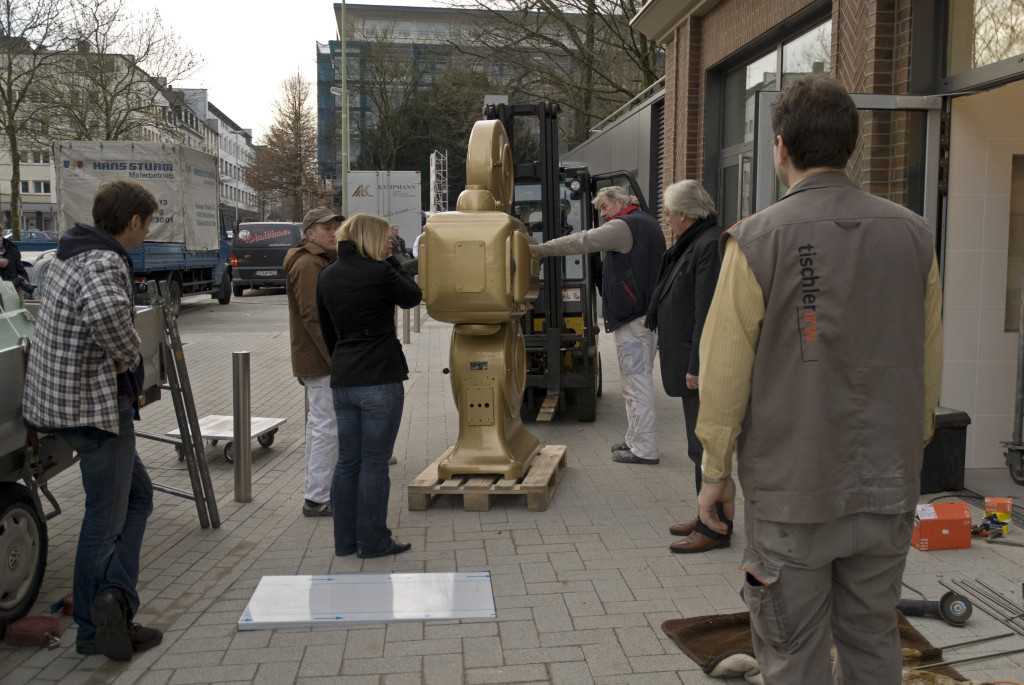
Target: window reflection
741	87
745	189
983	32
729	211
809	54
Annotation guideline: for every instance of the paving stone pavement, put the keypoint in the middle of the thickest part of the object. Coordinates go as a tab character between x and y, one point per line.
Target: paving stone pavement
581	590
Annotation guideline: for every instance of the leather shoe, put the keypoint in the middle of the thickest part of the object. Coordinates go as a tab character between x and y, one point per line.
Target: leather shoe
109	612
628	457
310	508
395	548
141	637
697	542
684	529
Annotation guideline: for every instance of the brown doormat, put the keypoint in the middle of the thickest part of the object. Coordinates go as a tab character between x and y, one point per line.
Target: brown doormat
711	640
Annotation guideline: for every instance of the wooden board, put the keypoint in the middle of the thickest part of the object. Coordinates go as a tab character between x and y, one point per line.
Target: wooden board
478	491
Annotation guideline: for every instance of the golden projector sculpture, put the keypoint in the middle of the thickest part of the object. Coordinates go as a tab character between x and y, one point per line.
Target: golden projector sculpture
477	272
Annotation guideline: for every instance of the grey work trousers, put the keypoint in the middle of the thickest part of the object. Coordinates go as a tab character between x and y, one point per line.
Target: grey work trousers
809	585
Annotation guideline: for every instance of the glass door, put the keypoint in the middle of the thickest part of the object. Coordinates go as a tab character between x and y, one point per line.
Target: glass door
736	186
897	154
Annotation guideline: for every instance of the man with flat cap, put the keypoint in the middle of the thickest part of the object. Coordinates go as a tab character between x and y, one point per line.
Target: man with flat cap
311	360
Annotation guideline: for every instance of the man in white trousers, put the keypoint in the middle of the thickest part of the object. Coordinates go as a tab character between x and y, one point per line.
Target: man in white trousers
311	360
633	243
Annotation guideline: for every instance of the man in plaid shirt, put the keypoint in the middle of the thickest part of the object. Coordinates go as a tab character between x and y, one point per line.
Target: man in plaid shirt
83	381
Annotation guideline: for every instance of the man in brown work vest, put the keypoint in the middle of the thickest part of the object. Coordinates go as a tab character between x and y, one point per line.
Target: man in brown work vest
820	363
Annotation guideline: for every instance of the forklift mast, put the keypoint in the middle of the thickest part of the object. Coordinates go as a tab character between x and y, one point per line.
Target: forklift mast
559	358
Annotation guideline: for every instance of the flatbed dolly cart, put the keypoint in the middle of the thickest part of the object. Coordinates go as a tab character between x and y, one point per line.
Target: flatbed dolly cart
216	427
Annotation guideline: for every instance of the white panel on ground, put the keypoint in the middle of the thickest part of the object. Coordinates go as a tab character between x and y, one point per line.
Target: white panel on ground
345	599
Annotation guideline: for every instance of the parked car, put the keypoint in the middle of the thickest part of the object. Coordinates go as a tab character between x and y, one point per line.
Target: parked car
38	236
257	254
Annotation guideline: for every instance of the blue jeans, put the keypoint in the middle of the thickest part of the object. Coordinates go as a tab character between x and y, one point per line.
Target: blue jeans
118	500
368	419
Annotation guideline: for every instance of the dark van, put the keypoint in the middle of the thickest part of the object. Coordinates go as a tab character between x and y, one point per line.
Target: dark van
257	254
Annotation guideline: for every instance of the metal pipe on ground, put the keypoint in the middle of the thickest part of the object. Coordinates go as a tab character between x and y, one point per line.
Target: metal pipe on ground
997	600
993	655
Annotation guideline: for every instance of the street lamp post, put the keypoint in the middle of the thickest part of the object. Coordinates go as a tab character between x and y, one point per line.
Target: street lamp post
343	92
238	158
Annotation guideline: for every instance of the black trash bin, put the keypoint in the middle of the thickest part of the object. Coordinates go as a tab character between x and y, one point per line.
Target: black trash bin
943	466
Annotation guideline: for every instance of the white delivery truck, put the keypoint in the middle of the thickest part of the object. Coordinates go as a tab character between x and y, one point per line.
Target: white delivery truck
185	246
394	195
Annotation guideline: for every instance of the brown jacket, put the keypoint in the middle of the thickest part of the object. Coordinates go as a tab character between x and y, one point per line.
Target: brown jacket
302	265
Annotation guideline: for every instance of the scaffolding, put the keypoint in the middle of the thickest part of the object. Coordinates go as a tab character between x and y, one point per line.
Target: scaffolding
438	181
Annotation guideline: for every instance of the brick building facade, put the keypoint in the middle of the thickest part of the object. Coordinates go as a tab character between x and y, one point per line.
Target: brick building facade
940	134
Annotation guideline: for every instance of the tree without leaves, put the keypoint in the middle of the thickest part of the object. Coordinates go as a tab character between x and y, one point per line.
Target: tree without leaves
389	78
581	54
442	117
259	176
289	162
110	88
30	40
420	100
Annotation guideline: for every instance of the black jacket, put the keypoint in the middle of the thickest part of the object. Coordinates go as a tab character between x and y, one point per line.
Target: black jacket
356	299
682	297
14	266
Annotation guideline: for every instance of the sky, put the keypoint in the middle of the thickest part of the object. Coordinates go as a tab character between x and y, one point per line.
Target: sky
250	48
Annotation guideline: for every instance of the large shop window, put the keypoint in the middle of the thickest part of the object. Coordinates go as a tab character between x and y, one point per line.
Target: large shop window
808	53
982	32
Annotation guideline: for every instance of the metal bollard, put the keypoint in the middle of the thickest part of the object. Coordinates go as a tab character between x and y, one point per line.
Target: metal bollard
416	310
405	326
241	443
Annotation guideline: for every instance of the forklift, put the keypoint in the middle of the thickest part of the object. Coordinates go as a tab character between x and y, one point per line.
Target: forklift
563	365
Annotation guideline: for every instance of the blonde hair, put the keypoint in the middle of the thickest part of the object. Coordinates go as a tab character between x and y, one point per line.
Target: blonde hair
369	233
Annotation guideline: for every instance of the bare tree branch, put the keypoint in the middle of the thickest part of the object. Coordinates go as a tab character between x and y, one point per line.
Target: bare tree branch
31	38
581	54
111	88
389	79
287	163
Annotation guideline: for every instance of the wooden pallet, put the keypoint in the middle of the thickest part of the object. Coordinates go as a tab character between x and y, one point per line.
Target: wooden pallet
539	484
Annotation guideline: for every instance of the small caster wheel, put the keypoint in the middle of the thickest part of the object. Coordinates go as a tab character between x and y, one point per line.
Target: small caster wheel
267	439
228	453
180	452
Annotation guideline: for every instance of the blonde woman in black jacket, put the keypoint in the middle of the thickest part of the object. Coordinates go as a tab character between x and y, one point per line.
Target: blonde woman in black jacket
356	298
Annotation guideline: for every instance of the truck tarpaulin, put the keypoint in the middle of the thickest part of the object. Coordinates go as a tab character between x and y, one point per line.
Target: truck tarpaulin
183	180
